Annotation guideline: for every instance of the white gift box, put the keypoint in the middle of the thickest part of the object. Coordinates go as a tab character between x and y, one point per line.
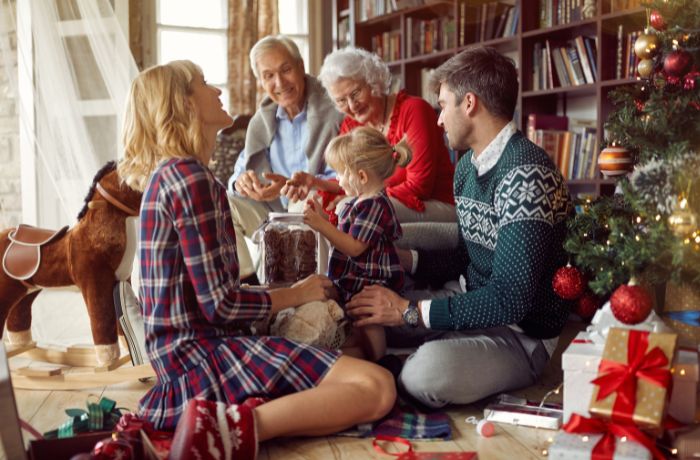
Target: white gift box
568	446
580	365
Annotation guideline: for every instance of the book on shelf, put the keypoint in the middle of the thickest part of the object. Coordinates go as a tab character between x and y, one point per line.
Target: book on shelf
619	52
563	64
556	12
424	36
570	143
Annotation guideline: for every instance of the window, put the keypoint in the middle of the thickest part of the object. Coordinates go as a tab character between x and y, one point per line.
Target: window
195	33
294	23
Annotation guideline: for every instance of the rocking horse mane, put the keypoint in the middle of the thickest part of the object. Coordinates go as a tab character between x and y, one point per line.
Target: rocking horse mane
106	169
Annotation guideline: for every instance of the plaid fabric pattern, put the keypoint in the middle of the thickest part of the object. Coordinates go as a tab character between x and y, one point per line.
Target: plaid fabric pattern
407	423
194	310
372	221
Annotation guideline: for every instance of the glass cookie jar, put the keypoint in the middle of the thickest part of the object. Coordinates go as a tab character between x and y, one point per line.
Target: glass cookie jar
290	249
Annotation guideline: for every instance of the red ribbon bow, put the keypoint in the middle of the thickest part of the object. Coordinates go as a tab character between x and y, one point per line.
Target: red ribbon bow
605	447
622	378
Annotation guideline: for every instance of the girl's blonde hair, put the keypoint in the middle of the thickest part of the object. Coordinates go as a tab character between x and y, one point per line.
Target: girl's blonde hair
160	122
366	148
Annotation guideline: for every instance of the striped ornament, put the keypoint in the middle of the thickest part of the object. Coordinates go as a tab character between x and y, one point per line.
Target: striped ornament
615	161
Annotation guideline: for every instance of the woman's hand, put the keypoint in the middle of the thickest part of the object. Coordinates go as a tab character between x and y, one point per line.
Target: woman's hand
377	305
298	187
313	287
313	214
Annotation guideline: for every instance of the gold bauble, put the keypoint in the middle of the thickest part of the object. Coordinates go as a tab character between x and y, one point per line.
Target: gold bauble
646	46
645	68
682	222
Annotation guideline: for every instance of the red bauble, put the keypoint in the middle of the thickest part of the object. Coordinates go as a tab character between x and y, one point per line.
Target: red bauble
657	21
569	283
677	63
630	304
587	305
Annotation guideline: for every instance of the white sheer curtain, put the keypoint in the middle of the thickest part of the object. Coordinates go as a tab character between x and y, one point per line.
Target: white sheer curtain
80	70
74	72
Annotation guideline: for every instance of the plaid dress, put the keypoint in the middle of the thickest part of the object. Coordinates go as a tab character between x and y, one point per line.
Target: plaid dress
194	309
372	221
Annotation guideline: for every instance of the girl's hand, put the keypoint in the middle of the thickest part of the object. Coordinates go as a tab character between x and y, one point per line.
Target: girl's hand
314	217
298	187
313	287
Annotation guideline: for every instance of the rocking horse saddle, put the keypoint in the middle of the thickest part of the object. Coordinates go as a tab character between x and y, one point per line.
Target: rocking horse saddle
23	255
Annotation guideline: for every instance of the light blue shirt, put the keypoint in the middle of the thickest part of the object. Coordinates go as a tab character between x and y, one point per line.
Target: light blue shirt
287	153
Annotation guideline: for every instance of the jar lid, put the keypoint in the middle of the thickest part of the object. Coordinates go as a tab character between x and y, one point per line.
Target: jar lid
286	217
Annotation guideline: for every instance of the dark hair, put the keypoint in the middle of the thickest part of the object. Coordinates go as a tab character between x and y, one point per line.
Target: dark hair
484	72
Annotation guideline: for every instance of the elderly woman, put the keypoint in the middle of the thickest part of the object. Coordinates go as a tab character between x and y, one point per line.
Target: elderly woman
359	84
287	134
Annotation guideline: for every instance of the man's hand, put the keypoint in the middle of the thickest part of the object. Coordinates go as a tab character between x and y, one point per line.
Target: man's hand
377	305
313	287
249	185
313	215
298	187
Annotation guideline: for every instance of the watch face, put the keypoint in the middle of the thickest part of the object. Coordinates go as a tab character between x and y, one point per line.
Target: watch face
410	316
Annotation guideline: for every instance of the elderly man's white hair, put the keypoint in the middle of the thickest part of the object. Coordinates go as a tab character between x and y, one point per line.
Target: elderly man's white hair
270	42
356	64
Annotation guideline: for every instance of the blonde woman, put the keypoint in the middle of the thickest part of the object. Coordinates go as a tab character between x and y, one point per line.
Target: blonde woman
363	250
191	297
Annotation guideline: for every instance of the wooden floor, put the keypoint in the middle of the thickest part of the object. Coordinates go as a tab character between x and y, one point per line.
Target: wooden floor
45	411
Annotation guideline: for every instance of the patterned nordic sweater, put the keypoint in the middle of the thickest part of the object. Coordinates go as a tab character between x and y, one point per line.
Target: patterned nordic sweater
512	224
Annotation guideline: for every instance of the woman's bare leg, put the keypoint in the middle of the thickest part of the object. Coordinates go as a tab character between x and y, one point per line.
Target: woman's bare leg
353	391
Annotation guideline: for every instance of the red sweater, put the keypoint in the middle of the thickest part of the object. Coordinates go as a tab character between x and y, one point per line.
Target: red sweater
430	173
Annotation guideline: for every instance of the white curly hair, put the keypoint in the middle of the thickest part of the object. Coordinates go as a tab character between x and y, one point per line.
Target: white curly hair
356	64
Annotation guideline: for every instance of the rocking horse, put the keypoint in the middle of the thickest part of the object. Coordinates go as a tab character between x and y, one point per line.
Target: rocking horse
92	255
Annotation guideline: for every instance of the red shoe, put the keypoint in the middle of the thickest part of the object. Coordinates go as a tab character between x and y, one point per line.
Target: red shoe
213	430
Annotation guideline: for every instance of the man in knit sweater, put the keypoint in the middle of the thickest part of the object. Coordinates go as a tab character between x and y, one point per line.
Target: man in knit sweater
496	331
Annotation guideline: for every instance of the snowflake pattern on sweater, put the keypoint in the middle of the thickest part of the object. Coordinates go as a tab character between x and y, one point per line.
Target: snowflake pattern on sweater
512	223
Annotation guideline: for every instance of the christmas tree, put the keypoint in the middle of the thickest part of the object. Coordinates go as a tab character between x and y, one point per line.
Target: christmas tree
651	230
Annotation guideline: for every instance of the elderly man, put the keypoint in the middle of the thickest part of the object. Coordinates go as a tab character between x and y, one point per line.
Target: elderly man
496	331
288	133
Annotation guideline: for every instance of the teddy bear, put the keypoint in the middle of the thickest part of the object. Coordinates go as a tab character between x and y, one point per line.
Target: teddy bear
316	323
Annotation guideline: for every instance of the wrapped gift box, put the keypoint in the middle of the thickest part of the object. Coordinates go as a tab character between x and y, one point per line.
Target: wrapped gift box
580	365
580	447
649	399
684	396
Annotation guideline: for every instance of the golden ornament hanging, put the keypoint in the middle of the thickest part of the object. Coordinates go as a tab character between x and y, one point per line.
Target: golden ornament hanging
646	46
682	221
645	68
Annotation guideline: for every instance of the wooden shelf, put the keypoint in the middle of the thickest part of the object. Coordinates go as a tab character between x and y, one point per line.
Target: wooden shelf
602	26
558	28
578	90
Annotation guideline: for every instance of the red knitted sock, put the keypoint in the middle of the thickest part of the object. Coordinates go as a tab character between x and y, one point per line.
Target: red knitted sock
213	430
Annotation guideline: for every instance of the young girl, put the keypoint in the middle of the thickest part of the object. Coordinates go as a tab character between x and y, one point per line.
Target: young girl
363	250
191	297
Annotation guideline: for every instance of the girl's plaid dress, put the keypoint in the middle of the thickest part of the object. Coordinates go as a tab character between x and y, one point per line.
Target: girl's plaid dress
194	308
372	221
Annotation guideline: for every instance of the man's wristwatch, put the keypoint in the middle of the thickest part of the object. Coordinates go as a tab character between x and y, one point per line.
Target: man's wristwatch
411	314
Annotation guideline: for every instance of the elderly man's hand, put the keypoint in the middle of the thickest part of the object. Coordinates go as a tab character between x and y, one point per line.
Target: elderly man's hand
271	191
298	187
377	305
247	184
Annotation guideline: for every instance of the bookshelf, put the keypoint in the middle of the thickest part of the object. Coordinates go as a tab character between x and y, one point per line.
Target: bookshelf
414	36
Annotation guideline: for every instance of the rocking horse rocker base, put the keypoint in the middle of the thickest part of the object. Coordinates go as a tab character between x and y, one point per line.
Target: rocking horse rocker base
92	255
